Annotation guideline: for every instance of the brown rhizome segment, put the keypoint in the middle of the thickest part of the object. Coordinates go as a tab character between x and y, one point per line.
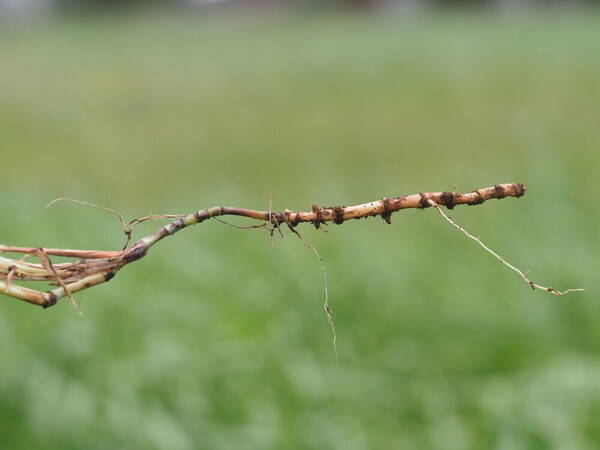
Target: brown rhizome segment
94	267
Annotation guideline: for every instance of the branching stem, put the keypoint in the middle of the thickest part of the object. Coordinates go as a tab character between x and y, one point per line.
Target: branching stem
94	267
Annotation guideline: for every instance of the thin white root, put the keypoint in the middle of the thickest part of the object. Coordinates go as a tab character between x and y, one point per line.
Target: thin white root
500	258
326	308
271	229
93	205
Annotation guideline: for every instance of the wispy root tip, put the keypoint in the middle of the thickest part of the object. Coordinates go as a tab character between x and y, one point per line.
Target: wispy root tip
533	285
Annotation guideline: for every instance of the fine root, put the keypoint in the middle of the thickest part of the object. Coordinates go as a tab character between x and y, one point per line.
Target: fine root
500	258
326	307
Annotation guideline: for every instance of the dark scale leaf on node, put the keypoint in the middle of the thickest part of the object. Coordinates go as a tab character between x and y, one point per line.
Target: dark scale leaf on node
338	214
447	199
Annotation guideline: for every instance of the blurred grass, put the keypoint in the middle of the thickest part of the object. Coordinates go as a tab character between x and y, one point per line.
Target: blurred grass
218	341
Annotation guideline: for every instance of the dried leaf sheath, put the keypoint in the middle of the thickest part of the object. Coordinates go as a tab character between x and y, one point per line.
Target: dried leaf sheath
96	267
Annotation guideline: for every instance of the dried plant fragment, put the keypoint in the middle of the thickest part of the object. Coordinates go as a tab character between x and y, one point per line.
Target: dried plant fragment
94	267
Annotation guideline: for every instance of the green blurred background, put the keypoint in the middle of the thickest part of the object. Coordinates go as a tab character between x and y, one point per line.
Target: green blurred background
218	341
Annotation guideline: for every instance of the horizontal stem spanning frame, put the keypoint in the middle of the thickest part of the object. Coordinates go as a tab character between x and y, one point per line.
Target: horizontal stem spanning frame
339	214
95	267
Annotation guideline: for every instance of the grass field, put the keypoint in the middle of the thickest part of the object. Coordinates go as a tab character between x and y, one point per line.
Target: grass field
218	341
